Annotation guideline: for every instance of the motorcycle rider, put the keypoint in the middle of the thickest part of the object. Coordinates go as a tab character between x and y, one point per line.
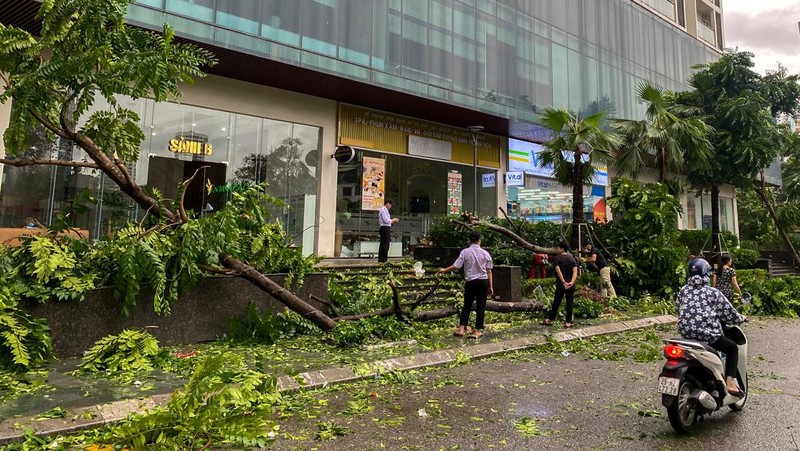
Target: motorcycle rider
701	311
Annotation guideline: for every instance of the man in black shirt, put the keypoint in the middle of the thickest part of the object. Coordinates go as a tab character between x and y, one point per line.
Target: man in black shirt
595	256
566	269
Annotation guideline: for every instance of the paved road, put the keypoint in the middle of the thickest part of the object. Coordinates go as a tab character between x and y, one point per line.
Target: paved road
561	402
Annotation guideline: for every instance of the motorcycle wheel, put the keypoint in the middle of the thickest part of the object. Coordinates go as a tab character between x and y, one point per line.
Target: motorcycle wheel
739	405
683	412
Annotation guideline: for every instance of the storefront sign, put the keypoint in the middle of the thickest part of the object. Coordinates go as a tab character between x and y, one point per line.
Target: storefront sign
454	193
392	133
488	181
432	148
372	183
190	143
343	154
523	156
515	179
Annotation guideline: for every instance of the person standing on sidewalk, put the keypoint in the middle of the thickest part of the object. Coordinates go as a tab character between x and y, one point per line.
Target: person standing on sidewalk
385	221
725	281
595	256
566	269
477	264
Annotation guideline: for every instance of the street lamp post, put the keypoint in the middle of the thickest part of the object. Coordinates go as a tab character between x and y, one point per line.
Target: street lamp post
475	130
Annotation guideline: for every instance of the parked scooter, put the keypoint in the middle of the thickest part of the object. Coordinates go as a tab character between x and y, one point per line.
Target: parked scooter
692	382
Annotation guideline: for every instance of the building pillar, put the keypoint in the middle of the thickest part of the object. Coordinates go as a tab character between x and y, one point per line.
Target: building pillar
5	120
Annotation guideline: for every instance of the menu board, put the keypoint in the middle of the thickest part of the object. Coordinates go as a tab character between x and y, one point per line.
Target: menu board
372	183
454	193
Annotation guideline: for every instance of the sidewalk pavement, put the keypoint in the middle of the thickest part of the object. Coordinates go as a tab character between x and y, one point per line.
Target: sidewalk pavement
13	429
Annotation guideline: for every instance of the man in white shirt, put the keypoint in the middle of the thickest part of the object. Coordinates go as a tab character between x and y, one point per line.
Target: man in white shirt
477	264
385	220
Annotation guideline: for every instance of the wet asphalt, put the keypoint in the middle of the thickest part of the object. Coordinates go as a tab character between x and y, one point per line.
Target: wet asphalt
554	402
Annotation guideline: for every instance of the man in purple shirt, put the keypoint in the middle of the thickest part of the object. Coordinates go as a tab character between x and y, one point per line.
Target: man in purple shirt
477	264
385	222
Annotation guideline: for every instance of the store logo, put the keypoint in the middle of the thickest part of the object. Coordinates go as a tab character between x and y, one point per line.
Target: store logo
547	184
515	179
226	188
488	180
190	143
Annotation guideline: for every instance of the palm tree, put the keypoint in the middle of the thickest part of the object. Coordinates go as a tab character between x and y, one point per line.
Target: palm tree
669	137
579	144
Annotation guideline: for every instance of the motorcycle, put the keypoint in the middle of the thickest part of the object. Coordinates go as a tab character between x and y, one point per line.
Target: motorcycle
692	382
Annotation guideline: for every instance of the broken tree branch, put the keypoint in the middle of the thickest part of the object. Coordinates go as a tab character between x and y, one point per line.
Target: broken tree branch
48	162
470	222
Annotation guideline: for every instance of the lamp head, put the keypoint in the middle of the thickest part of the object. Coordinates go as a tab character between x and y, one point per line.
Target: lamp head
475	129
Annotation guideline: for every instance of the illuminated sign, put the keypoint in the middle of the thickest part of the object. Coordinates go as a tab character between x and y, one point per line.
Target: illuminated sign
524	157
515	179
343	154
190	143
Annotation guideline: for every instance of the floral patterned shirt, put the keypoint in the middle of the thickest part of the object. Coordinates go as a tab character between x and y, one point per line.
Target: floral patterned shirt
725	282
702	309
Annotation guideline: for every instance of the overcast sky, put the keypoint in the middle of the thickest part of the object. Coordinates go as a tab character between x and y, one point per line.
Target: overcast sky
767	28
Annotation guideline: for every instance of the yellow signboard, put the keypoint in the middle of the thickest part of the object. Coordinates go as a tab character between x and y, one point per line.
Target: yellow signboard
387	132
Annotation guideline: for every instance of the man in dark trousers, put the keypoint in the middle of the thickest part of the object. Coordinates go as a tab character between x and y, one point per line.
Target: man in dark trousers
385	220
593	255
566	269
477	264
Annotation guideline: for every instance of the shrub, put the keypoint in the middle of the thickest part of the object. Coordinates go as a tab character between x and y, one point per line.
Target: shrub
699	240
648	255
776	296
587	308
255	327
744	257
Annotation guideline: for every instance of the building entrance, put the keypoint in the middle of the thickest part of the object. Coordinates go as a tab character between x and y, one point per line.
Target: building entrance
165	174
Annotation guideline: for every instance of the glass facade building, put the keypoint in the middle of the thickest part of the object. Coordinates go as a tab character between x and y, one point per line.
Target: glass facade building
502	57
429	67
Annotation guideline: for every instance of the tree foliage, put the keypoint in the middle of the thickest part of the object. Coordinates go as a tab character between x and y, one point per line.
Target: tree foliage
579	145
86	50
670	137
741	107
645	238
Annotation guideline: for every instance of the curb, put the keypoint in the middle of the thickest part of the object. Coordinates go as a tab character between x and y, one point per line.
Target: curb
13	429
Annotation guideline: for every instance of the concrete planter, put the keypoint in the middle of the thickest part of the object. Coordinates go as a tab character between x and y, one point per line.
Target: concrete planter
199	315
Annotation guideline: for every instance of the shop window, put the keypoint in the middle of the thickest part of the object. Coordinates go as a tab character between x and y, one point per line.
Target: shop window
420	189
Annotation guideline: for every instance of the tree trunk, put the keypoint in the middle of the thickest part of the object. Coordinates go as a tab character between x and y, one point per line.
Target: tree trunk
716	251
762	193
578	216
471	221
275	290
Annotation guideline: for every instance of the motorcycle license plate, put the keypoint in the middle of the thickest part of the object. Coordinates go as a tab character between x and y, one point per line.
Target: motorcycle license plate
668	385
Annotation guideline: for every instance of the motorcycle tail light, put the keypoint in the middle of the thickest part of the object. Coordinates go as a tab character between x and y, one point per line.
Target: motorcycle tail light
672	352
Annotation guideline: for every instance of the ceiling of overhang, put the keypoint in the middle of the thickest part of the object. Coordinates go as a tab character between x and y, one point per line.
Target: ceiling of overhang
250	68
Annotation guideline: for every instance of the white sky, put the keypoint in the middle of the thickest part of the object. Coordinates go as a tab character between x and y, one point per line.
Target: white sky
766	28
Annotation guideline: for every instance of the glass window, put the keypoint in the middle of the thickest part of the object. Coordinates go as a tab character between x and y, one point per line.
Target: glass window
242	15
320	27
281	21
355	31
202	10
420	191
693	217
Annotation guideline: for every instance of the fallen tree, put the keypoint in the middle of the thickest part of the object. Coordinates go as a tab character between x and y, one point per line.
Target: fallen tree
85	51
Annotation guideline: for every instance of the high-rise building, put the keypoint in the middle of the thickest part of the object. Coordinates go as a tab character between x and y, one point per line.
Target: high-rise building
389	88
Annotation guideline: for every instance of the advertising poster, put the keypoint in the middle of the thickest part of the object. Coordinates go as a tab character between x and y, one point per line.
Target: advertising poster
372	183
454	196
